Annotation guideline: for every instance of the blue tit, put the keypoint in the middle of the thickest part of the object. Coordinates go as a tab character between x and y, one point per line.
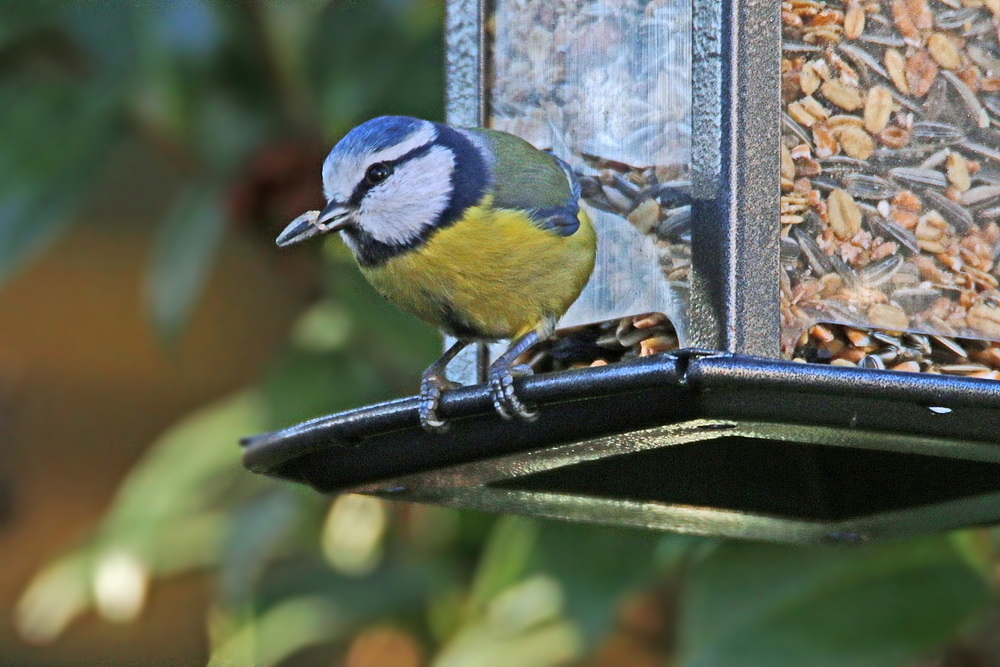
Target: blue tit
472	230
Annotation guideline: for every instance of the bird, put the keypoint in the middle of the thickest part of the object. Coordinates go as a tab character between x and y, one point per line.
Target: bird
473	230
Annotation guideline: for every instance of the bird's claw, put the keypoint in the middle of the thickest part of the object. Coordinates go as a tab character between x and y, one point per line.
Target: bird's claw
432	385
505	400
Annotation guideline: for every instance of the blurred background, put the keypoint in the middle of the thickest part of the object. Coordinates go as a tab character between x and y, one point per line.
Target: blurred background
149	154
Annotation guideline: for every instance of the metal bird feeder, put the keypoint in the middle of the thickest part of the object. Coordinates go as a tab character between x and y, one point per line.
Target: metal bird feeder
808	191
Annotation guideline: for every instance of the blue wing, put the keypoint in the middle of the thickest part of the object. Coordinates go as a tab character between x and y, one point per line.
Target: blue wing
561	220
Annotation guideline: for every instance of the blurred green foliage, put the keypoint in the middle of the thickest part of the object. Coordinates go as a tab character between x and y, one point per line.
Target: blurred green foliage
213	85
216	86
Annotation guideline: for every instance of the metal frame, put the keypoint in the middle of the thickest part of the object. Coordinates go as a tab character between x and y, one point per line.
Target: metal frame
465	106
464	62
736	116
817	420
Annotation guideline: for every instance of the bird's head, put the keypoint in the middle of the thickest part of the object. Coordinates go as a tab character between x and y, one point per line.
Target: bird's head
389	182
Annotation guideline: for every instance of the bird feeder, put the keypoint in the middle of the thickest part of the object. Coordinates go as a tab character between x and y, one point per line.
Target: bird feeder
810	193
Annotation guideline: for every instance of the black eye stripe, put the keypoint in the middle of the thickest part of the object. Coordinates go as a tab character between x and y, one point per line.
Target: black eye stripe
364	186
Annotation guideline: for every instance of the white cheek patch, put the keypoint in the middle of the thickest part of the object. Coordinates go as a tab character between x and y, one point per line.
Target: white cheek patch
411	200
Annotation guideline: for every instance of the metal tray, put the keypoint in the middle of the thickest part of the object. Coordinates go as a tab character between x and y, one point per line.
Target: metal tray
700	442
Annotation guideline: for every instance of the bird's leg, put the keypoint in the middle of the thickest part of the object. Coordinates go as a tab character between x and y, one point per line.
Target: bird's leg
502	374
432	383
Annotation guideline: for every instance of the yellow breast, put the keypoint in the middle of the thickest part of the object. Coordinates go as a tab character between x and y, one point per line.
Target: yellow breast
493	274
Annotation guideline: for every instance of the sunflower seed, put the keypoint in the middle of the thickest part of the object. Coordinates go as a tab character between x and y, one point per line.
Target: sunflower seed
978	29
961	369
893	232
800	133
985	151
880	271
935	160
957	215
916	177
842	164
972	104
985	58
882	40
903	207
915	299
675	225
859	55
949	346
818	260
790	250
981	194
953	20
844	270
992	104
937	134
799	47
671	194
873	362
897	155
863	186
917	342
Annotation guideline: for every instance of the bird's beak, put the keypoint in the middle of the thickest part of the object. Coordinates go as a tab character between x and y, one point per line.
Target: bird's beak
333	218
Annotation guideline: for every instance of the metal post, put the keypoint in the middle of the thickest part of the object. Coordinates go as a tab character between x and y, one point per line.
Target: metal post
465	106
736	116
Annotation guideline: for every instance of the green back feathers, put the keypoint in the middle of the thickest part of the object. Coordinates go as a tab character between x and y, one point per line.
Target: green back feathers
527	179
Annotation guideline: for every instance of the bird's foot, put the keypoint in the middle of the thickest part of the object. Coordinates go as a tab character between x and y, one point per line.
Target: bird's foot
505	400
432	385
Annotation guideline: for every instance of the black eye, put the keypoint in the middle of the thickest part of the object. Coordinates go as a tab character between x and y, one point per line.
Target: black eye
377	173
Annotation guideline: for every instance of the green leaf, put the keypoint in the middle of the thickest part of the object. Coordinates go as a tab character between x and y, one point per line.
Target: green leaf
553	644
302	386
325	327
21	18
596	566
260	529
186	28
367	59
54	135
504	559
399	586
171	511
226	131
396	343
287	28
749	605
28	224
182	258
281	631
106	31
55	596
301	602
